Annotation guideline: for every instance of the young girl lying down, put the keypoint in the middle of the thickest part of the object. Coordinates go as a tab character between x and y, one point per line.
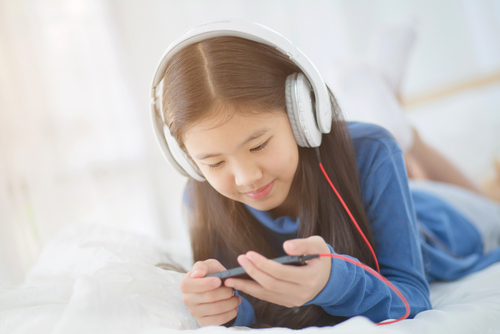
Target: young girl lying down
249	119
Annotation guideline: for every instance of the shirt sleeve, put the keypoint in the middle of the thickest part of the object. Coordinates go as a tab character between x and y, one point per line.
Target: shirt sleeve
246	315
350	289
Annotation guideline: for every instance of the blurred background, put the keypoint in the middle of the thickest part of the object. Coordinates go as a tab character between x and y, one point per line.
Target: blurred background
76	143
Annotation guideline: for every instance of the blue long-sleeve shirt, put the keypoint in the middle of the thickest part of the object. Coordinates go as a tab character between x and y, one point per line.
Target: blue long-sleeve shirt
419	238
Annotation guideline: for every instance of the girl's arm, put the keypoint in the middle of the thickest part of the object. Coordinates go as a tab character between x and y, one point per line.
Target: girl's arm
389	207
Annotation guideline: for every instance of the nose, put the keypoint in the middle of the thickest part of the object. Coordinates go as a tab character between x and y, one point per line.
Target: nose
246	174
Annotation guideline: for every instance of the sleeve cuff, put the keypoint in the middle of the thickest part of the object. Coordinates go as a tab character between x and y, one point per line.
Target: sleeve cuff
246	315
330	293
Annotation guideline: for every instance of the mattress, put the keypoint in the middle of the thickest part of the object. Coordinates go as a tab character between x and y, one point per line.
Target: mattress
98	279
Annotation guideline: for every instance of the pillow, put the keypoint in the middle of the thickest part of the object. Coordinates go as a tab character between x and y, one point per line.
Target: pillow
367	89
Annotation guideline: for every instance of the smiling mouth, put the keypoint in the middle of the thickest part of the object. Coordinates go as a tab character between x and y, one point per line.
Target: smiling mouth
262	192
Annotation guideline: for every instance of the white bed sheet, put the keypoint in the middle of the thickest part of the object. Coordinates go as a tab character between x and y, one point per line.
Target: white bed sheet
97	279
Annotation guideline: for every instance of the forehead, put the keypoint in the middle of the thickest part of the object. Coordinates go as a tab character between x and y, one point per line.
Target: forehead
226	130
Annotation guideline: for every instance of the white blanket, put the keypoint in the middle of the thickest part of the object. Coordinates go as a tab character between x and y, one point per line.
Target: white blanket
95	279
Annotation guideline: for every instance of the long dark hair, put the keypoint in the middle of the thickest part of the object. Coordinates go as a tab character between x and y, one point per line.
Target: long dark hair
237	72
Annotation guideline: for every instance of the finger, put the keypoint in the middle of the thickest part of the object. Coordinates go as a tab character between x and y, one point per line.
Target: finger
203	268
275	269
263	278
256	290
221	293
220	307
218	319
198	285
312	245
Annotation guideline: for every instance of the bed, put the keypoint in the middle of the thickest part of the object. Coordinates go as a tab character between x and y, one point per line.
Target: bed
98	279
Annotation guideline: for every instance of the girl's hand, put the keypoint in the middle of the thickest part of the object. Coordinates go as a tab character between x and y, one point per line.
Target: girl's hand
281	284
207	301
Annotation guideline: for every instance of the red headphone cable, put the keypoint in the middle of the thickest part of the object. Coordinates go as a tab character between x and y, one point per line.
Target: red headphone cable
374	273
365	267
347	210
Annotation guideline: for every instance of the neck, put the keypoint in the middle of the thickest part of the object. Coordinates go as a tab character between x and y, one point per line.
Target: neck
290	207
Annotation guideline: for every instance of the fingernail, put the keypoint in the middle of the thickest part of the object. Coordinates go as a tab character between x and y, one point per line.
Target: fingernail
291	245
251	256
243	260
196	273
229	284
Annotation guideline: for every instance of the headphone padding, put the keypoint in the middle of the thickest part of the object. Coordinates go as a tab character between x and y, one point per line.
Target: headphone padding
181	157
291	109
301	110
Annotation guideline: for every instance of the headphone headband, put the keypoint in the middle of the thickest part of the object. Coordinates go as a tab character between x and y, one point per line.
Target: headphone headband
251	31
258	33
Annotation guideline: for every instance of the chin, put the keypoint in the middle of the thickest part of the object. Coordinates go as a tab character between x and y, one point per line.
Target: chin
264	205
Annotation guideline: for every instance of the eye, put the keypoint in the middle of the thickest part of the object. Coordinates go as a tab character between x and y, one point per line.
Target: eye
260	147
217	165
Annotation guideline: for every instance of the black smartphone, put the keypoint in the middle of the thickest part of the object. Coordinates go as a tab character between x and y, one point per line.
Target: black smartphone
239	272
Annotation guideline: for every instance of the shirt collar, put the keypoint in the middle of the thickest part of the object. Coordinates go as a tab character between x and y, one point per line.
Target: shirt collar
284	225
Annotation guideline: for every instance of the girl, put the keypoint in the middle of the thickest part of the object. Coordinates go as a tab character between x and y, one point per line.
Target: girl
224	103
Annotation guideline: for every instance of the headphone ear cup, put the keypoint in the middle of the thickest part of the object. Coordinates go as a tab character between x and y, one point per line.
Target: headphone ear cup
181	157
300	110
291	109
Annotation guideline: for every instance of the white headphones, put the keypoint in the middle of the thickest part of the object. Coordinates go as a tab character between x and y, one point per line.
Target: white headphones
305	93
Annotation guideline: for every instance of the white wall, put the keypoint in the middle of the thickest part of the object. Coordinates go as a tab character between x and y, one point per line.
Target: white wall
456	39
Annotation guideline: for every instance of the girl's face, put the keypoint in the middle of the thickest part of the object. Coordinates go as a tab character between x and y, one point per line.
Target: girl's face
249	158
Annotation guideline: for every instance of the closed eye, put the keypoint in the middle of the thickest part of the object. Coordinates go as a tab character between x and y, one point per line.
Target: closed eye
213	166
261	147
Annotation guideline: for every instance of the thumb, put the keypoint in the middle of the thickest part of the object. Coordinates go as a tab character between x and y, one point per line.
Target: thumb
203	268
312	245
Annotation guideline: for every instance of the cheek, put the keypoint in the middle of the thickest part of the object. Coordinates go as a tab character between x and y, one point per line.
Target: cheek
286	162
220	183
293	162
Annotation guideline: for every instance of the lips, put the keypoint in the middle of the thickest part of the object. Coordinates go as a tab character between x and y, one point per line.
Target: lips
262	192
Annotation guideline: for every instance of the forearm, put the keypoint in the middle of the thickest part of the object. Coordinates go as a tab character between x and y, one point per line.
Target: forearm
353	291
426	162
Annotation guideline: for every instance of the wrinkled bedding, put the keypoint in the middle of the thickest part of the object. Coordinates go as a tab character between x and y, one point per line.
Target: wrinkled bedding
97	279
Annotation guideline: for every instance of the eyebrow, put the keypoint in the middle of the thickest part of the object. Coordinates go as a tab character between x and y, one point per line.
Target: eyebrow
253	136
